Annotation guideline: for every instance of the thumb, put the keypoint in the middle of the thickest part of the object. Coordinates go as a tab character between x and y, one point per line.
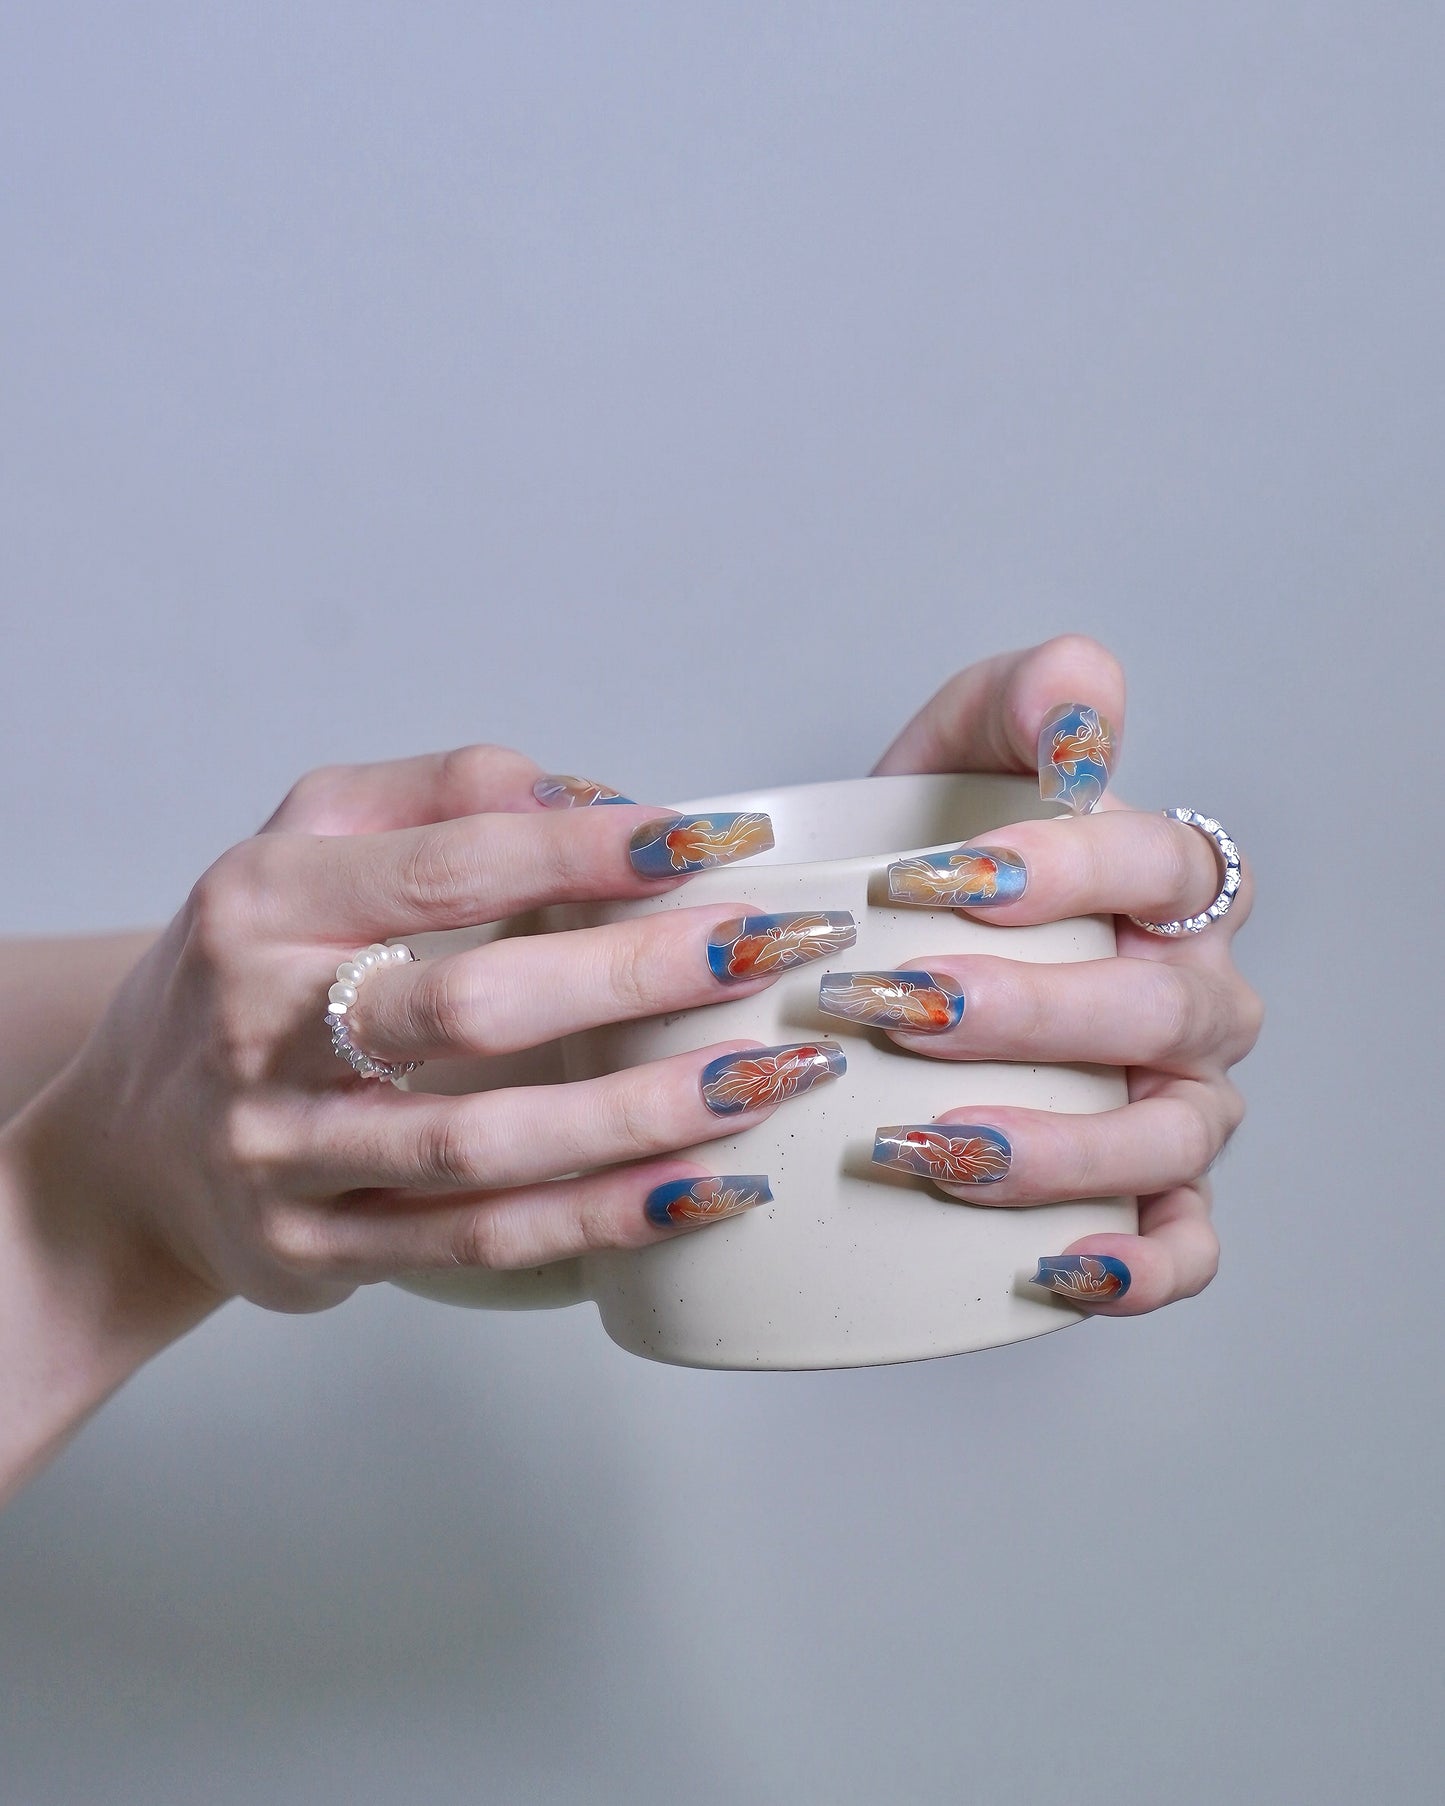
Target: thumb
989	718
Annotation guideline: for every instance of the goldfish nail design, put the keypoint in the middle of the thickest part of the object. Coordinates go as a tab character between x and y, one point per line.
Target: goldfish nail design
953	1153
766	1075
1076	756
706	1200
574	793
967	877
692	843
1086	1278
751	946
924	1003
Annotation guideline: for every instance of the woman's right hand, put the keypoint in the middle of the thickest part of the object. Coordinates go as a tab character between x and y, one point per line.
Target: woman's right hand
207	1108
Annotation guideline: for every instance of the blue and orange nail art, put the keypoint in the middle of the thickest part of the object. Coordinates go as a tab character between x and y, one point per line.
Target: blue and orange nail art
967	878
1086	1278
923	1003
1076	756
558	792
767	1075
706	1200
753	946
950	1153
693	843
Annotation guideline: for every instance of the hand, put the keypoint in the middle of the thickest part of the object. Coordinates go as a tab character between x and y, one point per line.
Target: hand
208	1111
1175	1013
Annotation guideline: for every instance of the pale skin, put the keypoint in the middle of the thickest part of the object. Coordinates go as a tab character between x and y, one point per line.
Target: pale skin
177	1132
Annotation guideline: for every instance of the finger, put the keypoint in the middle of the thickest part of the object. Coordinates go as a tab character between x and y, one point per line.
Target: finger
1117	861
453	874
1110	1012
989	717
519	993
1008	1156
405	793
373	1237
1174	1256
352	1140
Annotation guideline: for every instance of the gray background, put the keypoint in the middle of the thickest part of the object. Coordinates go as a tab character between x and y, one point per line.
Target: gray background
616	381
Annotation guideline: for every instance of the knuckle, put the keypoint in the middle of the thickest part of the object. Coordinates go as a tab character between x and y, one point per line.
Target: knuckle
637	1117
292	1237
1249	1015
452	1151
479	1240
437	869
221	908
1178	1008
449	1009
471	771
634	976
1231	1108
1173	855
1196	1140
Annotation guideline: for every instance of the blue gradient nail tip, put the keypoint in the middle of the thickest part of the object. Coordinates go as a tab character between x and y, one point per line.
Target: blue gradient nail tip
760	1076
694	843
706	1200
753	946
923	1003
559	792
949	1153
1076	756
966	878
1086	1278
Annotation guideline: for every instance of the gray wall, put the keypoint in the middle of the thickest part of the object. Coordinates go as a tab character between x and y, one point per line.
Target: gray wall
380	377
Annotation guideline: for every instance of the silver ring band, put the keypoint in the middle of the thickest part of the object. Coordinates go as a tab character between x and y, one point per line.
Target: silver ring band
1232	877
350	975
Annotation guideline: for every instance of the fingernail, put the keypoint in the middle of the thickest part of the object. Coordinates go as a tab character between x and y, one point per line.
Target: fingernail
707	1200
750	946
955	1153
1089	1278
924	1003
766	1075
559	792
692	843
968	876
1076	755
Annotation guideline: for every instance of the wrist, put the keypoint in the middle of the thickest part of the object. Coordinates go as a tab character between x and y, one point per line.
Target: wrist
86	1296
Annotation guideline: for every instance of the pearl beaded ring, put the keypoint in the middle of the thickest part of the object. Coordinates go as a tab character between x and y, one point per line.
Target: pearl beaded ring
342	995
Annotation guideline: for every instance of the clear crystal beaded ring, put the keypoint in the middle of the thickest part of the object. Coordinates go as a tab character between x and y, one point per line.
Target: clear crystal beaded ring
350	975
1232	878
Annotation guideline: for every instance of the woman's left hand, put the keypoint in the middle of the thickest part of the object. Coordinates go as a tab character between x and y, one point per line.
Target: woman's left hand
1173	1012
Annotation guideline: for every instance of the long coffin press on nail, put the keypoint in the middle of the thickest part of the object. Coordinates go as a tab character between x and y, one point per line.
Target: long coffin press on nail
706	1200
1076	757
759	1076
950	1153
966	878
694	843
922	1003
755	946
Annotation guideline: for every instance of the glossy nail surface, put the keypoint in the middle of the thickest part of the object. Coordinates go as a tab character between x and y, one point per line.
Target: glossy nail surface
968	877
924	1003
766	1075
707	1200
693	843
955	1153
559	792
1090	1278
1076	756
754	946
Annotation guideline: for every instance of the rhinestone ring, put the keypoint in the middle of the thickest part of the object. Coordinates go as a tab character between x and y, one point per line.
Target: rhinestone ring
1228	853
350	974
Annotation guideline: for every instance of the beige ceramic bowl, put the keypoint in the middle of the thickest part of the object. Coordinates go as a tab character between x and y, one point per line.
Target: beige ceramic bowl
850	1265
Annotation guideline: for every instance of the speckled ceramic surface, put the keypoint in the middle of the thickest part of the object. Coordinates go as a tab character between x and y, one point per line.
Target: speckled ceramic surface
849	1265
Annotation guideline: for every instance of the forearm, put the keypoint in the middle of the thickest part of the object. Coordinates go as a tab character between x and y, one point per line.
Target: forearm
52	993
84	1299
